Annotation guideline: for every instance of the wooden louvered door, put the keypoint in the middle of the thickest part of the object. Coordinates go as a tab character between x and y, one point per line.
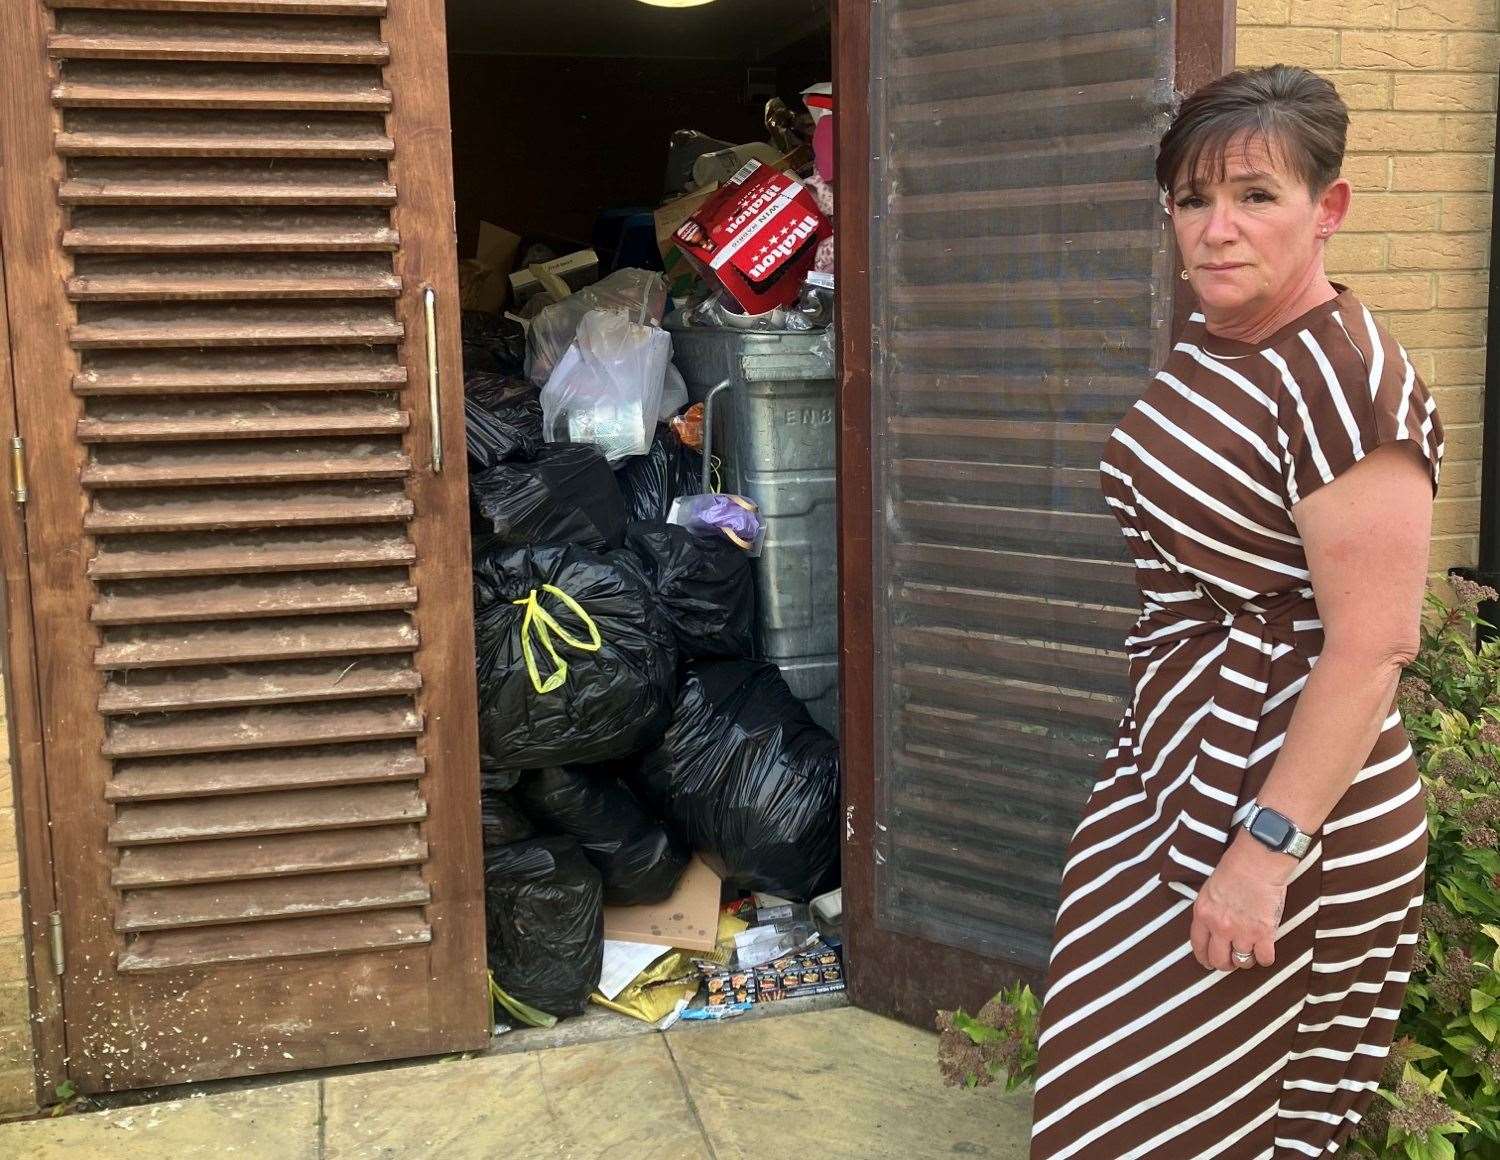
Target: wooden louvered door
249	565
1018	274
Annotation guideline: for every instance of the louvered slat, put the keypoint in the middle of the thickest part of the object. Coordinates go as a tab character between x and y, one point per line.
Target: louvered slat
992	57
224	377
1013	657
270	507
148	237
268	857
148	36
1026	614
271	7
302	811
1060	577
259	901
209	423
193	187
165	778
328	462
153	142
122	86
247	686
252	597
229	555
296	938
278	727
308	638
283	326
123	288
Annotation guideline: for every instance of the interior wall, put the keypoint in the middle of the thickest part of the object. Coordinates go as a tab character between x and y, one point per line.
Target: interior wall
542	144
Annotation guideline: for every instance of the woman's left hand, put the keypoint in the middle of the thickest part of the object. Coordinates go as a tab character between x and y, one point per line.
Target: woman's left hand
1240	906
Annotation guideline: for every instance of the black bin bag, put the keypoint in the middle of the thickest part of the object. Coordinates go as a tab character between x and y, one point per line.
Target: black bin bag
650	482
500	822
566	494
704	586
492	344
502	430
638	858
544	917
601	674
749	778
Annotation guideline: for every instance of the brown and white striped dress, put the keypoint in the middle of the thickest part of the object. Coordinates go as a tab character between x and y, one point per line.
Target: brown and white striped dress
1144	1053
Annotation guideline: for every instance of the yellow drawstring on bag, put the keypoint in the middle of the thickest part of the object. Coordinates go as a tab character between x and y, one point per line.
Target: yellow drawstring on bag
544	625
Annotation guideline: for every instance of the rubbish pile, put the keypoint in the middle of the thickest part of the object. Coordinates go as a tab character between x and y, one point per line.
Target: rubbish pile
659	808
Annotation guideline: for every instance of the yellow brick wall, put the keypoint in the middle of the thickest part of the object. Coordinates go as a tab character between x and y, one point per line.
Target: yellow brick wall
1419	79
16	1090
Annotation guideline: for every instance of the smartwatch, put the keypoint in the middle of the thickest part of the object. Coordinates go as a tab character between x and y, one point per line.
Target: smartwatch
1276	831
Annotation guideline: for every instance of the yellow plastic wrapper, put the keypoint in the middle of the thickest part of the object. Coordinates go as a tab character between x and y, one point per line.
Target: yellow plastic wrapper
655	992
723	951
652	995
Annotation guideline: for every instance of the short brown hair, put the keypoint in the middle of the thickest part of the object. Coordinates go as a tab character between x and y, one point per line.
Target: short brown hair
1292	109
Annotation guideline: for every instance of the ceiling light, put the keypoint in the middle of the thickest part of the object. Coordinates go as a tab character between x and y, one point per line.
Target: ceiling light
676	3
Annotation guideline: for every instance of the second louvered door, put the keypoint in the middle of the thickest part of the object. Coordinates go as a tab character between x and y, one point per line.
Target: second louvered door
220	221
1016	291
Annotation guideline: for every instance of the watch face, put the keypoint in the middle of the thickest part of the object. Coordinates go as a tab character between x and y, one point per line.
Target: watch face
1271	828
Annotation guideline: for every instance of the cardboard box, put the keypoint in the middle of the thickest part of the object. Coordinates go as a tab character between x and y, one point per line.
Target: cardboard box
575	270
483	280
682	276
723	988
688	919
757	237
816	972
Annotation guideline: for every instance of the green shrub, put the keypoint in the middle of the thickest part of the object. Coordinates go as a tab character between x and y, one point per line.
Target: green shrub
1439	1097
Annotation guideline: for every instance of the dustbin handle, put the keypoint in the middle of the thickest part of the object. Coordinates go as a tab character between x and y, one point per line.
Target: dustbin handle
708	435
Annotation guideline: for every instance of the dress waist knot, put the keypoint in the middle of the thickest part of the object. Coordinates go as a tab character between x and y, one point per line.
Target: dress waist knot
1203	807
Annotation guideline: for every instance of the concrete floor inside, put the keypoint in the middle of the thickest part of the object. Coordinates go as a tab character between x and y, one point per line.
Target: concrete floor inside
823	1084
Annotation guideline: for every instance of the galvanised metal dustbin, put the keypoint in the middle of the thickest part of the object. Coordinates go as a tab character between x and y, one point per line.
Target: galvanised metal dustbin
774	434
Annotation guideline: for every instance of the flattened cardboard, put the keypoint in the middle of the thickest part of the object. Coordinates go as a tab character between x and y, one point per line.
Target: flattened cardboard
689	919
483	280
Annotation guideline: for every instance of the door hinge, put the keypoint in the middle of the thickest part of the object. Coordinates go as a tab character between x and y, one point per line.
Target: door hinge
59	961
18	489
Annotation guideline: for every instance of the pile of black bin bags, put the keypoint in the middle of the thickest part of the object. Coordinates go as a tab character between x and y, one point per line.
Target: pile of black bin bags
622	725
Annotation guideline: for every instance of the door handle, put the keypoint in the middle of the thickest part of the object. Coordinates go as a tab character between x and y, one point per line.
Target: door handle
434	399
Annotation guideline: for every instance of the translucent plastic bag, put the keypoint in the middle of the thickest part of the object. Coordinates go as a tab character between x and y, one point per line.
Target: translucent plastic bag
607	389
641	295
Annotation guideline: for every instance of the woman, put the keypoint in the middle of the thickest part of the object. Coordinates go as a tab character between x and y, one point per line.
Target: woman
1225	978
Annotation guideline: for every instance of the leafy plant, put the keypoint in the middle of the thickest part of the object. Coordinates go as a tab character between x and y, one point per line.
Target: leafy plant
1439	1097
976	1050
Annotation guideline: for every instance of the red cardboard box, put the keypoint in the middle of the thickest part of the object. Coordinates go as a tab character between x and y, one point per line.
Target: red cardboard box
757	237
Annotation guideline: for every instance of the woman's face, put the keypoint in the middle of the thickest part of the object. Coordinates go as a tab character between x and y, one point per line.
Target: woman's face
1250	237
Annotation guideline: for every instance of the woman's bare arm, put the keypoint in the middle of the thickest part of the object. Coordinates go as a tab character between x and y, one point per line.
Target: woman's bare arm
1366	538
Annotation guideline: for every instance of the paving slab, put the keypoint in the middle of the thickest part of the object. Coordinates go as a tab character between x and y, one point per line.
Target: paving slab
840	1084
621	1100
280	1122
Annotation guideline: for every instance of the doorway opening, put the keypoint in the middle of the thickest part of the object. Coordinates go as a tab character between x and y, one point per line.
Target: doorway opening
584	137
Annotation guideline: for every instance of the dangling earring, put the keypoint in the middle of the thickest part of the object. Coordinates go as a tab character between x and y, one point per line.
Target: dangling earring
1183	275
